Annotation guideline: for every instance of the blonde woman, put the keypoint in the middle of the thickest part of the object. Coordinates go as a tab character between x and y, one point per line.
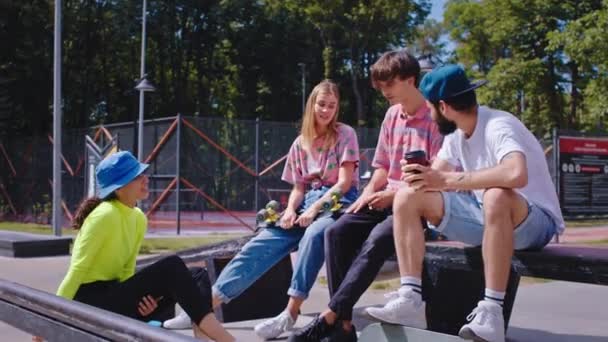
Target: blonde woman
323	159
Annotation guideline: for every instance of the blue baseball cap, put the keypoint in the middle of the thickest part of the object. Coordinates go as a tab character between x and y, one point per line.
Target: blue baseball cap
116	171
446	82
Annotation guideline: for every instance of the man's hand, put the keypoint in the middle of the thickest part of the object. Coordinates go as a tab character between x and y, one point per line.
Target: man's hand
147	305
381	200
423	178
360	203
288	219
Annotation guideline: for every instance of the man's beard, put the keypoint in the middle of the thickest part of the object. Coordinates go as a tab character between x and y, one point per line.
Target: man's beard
445	126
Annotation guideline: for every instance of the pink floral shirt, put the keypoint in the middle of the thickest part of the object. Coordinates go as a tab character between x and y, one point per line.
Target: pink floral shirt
320	166
401	133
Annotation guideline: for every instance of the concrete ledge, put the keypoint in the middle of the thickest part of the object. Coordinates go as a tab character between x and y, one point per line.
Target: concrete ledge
23	245
558	262
377	332
57	319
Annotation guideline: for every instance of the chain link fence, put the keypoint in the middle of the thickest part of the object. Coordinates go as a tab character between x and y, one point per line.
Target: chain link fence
228	170
227	167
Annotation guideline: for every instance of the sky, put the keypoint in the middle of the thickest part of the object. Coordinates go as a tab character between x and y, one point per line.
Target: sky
437	9
437	14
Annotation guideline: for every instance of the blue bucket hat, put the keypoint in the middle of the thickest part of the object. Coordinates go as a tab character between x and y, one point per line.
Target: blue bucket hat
446	82
116	171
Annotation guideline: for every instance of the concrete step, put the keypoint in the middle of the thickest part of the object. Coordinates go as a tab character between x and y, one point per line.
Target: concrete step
23	245
377	332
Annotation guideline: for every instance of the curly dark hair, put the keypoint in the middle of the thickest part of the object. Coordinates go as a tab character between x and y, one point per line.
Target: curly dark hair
86	207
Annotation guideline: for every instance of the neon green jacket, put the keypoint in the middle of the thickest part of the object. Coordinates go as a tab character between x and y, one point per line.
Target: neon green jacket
106	247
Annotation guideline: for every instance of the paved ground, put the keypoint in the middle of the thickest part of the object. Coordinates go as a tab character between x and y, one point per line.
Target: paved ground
554	311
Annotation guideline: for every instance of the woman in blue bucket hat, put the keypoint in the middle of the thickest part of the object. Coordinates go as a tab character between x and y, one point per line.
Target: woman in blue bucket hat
102	267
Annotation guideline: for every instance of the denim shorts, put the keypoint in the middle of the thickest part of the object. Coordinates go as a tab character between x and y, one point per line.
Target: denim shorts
463	221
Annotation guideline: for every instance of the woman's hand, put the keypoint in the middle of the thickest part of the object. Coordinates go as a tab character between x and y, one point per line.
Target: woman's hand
288	219
147	305
307	216
37	339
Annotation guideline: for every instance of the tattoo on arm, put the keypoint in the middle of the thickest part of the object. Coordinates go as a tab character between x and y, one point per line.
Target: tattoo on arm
509	156
512	155
461	178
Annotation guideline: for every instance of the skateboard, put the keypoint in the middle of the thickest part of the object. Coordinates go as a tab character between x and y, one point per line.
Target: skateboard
269	215
333	204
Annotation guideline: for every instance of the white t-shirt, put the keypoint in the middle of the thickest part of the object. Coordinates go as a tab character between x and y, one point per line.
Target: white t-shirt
496	134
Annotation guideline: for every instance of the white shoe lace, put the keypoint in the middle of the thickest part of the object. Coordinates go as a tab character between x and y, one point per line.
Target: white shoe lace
391	295
395	303
472	314
479	313
279	322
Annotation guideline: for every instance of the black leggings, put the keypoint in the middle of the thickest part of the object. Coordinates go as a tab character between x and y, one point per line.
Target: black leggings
168	277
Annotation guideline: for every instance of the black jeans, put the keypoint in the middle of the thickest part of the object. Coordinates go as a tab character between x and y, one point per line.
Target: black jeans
168	277
356	247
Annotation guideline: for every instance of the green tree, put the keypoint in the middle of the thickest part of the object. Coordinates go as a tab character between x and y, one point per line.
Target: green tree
511	42
355	33
584	43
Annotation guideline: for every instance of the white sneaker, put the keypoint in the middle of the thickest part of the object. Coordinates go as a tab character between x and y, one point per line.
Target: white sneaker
181	321
405	307
486	323
274	327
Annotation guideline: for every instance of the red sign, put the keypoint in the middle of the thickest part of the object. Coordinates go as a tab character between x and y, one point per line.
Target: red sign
577	145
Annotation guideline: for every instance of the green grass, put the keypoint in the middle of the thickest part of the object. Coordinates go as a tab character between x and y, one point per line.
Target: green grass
33	228
603	242
586	223
172	244
383	285
386	285
149	245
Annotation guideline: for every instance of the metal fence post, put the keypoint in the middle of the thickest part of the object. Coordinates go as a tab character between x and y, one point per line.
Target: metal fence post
556	169
178	171
257	163
57	114
556	166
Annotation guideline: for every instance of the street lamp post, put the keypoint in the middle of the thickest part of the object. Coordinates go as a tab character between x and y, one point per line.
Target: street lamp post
143	85
57	114
303	67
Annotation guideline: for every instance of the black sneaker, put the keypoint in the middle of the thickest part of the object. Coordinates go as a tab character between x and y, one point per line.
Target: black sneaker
340	335
315	331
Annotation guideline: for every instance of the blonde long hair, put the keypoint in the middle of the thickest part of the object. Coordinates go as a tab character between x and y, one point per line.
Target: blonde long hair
308	131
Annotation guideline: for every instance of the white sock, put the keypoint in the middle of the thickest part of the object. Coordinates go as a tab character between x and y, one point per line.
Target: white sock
494	296
413	283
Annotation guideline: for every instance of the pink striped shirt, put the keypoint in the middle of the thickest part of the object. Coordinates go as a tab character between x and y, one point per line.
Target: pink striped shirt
321	165
401	133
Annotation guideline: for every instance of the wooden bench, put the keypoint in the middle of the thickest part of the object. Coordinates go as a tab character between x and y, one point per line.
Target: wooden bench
21	245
